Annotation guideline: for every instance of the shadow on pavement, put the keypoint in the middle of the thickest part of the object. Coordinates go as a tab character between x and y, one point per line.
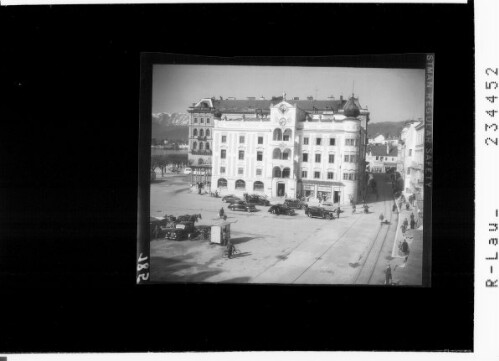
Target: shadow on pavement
240	255
164	269
240	240
237	280
157	181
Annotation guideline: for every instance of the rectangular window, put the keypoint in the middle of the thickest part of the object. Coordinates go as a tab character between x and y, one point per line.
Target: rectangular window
377	157
352	158
347	158
241	155
259	156
332	141
224	139
317	158
208	121
350	176
222	170
381	158
260	140
223	154
318	141
305	141
241	139
259	172
331	158
349	142
285	156
317	175
305	157
195	120
345	176
330	175
285	137
202	120
304	174
239	171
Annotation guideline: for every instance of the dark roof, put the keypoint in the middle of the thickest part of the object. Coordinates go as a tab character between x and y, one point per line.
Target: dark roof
247	105
380	150
352	107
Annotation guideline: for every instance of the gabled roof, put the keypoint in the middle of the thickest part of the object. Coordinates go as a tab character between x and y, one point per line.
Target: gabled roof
380	150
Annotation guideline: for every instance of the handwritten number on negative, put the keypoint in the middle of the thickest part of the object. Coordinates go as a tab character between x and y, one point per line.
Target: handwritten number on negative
491	99
487	127
495	71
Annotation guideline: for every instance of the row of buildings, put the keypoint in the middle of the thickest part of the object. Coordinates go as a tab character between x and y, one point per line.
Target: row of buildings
280	147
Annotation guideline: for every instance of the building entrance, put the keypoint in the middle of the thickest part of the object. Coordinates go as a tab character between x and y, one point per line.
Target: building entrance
281	189
336	197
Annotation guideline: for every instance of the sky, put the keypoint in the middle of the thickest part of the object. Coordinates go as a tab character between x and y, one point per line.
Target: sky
391	95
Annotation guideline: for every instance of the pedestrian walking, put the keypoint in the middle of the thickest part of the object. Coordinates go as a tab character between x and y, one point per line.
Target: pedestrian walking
402	227
406	223
338	211
354	209
388	275
413	223
405	247
407	206
381	217
221	212
230	249
412	216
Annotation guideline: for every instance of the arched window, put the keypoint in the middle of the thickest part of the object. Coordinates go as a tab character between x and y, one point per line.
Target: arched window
276	154
286	154
200	161
287	135
194	145
276	172
240	184
200	145
286	172
222	183
258	186
201	132
207	146
195	132
207	132
277	134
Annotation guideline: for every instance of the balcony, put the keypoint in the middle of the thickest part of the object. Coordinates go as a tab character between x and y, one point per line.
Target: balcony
200	152
201	138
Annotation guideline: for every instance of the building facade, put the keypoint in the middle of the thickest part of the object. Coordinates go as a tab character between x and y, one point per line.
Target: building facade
382	158
290	148
201	141
410	151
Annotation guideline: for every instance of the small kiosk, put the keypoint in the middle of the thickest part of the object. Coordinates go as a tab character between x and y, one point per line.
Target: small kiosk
220	233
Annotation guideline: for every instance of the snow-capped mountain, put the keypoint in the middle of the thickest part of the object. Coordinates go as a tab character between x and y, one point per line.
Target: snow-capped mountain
169	119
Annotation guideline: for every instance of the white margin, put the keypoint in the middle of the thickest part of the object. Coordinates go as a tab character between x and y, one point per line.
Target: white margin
486	336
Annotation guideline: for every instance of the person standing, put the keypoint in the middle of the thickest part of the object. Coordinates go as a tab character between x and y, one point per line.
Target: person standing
381	217
221	212
413	223
388	275
230	249
338	211
406	223
354	208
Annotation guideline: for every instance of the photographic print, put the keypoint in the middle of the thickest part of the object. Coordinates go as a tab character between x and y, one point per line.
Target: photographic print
289	174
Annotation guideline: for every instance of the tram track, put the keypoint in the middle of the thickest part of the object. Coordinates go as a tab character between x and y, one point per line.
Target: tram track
368	266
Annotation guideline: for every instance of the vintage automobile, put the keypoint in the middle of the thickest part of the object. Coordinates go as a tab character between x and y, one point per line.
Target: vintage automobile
328	206
242	206
258	200
319	213
189	218
180	231
294	203
281	209
187	170
230	198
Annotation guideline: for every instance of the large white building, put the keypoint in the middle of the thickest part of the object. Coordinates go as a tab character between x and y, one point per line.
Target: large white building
411	156
280	147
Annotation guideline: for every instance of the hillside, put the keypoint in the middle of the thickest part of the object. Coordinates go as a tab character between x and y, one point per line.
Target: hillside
174	126
390	129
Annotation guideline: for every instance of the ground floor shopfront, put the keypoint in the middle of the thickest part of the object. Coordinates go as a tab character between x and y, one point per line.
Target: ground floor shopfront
337	192
271	187
201	175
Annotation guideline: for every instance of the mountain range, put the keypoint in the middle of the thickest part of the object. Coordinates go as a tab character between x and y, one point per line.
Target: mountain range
388	129
172	126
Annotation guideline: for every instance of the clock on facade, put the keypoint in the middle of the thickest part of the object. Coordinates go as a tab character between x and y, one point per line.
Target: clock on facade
282	122
283	108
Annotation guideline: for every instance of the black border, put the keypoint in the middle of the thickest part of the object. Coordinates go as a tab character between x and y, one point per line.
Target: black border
70	175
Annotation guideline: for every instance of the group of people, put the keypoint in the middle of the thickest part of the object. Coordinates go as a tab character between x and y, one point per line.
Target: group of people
405	224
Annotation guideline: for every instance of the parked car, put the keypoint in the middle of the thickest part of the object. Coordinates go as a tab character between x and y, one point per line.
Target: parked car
181	231
319	213
230	198
187	170
259	200
281	209
294	203
329	206
242	206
